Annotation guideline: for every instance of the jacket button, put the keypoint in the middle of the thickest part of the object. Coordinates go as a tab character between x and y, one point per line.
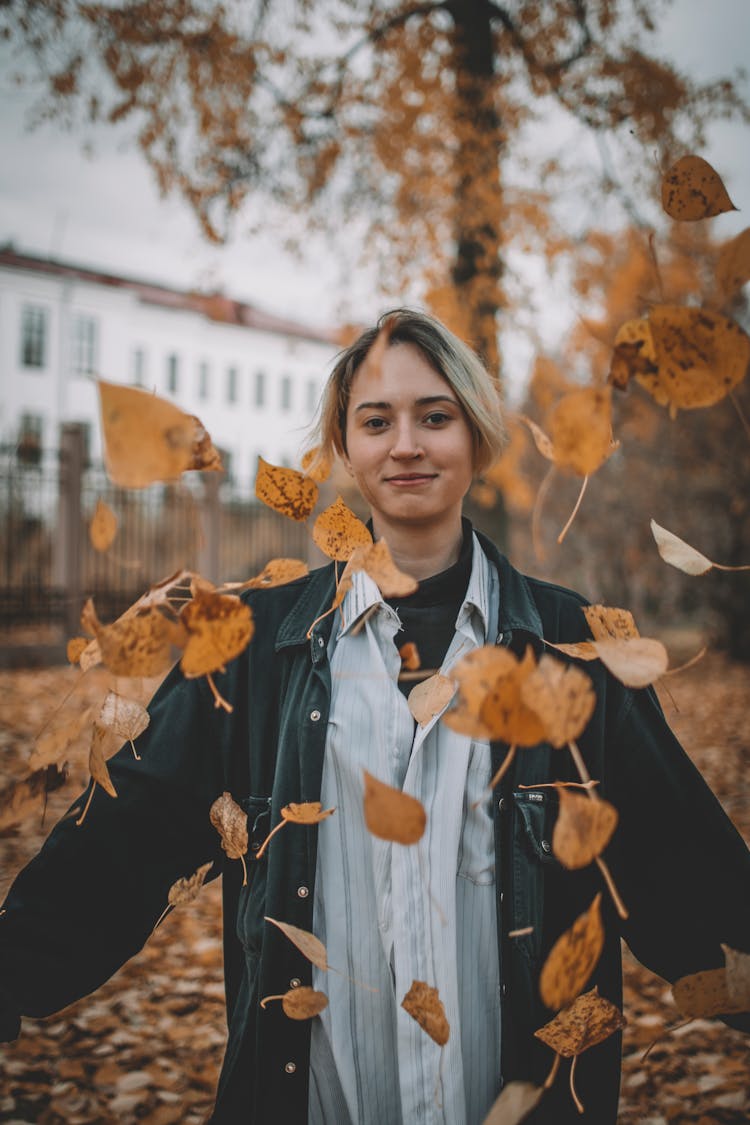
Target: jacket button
303	892
315	715
546	846
290	1067
504	989
502	804
321	642
295	982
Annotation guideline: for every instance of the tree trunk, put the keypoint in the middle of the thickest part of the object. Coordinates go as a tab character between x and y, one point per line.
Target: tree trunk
477	266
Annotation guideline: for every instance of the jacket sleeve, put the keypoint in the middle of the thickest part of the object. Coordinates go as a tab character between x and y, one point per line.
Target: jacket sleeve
90	899
682	868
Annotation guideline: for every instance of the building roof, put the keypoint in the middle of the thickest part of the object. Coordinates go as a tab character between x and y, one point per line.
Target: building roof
214	306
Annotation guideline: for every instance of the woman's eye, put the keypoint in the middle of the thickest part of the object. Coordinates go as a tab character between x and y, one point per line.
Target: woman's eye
375	423
437	418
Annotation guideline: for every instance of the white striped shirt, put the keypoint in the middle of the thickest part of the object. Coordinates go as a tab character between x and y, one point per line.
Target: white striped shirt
390	914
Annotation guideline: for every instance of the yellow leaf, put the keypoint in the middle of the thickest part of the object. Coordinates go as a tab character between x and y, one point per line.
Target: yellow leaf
424	1005
315	466
693	190
581	430
309	946
634	353
582	830
391	814
573	958
337	531
137	644
219	628
705	994
563	698
428	698
285	490
541	441
733	264
489	701
589	1020
103	527
187	889
635	661
97	764
276	572
307	812
609	622
230	822
75	646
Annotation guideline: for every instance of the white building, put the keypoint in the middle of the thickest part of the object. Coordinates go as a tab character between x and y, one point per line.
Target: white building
253	379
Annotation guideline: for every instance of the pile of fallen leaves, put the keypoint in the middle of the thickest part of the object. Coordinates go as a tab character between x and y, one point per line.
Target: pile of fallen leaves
148	1046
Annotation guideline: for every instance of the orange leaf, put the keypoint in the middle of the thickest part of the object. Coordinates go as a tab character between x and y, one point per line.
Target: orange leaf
187	889
582	830
430	697
608	622
315	466
733	264
285	490
581	430
337	531
693	190
562	697
137	644
391	814
97	764
424	1005
276	572
705	994
103	527
230	821
572	958
219	628
75	647
589	1020
409	654
635	661
301	1003
489	702
308	812
633	354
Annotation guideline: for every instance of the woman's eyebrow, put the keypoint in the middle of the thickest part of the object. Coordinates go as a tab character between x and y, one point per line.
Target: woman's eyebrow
426	401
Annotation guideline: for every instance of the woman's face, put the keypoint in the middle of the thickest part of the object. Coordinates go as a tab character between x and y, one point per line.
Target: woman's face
409	444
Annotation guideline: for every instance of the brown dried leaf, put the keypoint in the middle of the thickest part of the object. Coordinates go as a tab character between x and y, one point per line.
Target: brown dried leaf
705	994
589	1020
337	531
103	527
693	190
125	717
488	702
633	354
738	976
391	814
276	572
562	697
301	1003
219	628
315	466
146	438
541	441
572	958
424	1005
307	812
231	823
582	830
581	430
285	490
97	764
701	357
137	644
309	946
733	264
409	654
678	553
205	457
428	698
635	662
20	799
581	650
514	1104
607	621
55	740
75	647
187	889
379	564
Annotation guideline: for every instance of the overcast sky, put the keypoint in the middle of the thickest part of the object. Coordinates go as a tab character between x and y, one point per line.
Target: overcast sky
106	212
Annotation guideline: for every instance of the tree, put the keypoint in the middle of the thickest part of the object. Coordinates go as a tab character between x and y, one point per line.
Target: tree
399	118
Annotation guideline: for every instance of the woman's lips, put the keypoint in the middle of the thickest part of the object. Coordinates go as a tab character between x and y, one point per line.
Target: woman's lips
411	480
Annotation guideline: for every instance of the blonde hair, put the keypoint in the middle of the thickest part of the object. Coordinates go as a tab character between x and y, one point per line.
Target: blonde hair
461	368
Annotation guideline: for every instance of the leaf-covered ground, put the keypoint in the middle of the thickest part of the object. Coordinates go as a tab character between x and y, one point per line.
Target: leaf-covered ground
147	1046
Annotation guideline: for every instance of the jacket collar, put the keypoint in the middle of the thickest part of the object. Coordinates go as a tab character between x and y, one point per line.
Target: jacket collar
518	612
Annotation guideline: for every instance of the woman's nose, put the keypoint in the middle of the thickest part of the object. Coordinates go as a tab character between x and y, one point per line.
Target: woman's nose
405	441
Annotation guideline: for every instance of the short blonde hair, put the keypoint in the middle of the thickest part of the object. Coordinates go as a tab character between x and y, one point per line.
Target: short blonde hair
461	368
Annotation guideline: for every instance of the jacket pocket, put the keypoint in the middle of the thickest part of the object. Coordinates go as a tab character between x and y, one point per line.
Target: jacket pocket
252	898
535	812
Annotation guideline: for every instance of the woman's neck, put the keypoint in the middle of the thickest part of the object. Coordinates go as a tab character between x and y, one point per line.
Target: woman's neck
421	552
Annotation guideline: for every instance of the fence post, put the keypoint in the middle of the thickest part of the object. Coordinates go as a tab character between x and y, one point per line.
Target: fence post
210	509
70	528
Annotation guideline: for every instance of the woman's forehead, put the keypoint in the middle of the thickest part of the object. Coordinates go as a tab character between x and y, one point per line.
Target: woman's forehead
403	375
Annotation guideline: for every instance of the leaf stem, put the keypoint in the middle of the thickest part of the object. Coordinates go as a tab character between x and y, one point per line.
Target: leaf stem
536	515
506	763
219	700
607	875
574	513
244	870
270	836
88	802
576	1099
553	1072
583	772
136	755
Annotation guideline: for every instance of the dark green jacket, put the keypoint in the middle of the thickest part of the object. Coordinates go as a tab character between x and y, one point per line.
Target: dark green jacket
90	899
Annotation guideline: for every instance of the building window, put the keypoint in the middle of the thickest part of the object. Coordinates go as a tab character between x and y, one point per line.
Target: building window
84	344
231	384
260	388
30	433
203	381
312	395
138	372
33	336
285	388
173	374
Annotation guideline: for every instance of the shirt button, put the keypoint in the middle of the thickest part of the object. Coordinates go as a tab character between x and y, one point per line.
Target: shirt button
302	892
546	846
295	982
290	1067
315	715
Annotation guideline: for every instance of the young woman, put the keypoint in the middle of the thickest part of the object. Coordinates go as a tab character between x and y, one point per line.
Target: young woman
316	700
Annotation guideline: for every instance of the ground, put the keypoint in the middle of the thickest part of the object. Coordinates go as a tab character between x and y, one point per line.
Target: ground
147	1046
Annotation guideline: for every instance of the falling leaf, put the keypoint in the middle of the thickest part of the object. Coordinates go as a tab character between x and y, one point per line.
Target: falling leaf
409	654
572	958
589	1020
738	976
701	356
337	531
633	353
300	1003
219	628
103	527
541	441
693	190
285	490
635	662
187	889
75	647
307	812
276	572
391	814
580	650
562	697
582	830
97	764
205	456
19	799
125	717
378	563
146	438
315	466
428	699
137	644
489	702
231	823
608	621
309	946
705	994
677	552
424	1005
514	1104
56	739
733	264
581	430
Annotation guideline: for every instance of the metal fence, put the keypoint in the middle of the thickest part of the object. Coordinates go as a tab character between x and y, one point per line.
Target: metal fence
48	565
